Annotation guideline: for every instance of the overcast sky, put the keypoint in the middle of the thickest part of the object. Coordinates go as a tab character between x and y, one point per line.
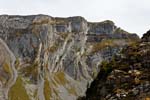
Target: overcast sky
131	15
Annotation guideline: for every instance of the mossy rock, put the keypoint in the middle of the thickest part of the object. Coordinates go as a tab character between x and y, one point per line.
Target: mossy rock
103	44
53	48
72	91
18	91
31	71
47	90
7	68
60	78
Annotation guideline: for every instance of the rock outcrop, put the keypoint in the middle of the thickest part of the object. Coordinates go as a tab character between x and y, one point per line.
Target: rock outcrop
55	58
126	76
146	37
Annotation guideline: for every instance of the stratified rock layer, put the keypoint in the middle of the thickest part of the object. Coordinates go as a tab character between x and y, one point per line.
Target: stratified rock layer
55	58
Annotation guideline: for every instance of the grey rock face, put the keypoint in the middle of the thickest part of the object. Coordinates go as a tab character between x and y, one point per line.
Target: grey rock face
65	52
106	27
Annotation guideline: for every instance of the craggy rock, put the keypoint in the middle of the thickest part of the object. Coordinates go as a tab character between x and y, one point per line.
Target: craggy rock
57	57
146	37
125	77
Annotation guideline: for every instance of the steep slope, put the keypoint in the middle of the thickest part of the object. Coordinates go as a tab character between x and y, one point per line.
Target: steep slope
126	76
57	57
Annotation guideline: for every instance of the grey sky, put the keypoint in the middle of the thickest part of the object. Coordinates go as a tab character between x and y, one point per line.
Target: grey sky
131	15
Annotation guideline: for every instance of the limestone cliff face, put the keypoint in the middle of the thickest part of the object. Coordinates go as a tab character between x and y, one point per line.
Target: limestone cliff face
55	58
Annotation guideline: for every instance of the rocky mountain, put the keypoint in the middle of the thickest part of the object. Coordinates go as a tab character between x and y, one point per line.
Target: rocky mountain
50	58
126	76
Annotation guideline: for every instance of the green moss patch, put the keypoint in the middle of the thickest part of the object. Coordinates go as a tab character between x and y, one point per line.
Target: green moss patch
31	71
60	78
7	68
101	45
47	90
72	91
18	91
